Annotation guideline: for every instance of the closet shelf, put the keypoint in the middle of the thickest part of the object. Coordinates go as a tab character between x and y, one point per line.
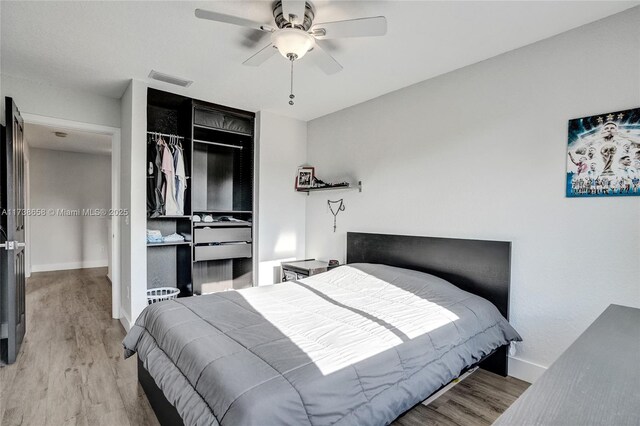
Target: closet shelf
169	217
332	188
220	224
170	243
233	132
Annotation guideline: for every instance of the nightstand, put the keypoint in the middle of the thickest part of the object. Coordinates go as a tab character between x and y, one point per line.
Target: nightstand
300	269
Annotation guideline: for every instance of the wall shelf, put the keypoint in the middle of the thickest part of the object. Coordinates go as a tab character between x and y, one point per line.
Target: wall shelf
226	212
332	188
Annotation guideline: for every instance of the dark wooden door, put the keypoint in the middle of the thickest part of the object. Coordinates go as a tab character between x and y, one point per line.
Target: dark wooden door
12	253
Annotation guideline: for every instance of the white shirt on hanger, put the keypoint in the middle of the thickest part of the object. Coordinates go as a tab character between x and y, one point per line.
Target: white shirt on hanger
181	179
169	185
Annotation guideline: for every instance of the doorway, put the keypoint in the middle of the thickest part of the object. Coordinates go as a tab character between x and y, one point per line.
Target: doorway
83	147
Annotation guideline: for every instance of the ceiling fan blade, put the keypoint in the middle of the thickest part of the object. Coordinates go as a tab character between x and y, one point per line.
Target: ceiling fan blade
324	60
254	39
362	27
261	55
293	11
234	20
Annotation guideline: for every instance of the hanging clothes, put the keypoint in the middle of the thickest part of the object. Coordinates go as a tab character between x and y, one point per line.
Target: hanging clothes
169	184
155	200
181	178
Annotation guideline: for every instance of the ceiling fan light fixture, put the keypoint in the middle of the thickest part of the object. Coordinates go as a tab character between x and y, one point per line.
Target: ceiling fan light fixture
292	42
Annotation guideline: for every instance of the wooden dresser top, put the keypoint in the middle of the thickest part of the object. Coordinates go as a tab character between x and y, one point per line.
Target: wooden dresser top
596	381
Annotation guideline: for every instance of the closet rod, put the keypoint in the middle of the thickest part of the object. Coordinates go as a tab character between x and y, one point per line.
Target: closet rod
165	134
228	145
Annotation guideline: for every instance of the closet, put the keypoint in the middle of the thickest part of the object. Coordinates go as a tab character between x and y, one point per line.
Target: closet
217	144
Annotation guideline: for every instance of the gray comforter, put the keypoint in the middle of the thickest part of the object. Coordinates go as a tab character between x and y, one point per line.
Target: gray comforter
358	345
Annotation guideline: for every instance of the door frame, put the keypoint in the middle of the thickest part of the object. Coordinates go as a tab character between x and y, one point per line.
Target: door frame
114	132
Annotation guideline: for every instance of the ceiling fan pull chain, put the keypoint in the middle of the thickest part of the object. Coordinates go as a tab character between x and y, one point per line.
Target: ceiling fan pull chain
291	95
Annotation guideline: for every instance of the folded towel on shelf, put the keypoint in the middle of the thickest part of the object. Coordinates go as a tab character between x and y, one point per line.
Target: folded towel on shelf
173	238
196	218
207	218
154	236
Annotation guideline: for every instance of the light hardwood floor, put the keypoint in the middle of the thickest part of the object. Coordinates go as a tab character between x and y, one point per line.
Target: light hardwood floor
478	400
70	370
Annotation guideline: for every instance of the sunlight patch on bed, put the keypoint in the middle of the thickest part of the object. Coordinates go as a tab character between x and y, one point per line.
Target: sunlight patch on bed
336	328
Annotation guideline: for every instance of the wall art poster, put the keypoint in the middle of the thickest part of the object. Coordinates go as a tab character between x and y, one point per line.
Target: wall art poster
603	155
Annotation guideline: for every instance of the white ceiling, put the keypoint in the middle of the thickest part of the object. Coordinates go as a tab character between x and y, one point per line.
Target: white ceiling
38	136
98	46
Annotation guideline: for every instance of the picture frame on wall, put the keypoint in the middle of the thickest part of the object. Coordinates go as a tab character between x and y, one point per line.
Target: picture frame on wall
305	176
603	155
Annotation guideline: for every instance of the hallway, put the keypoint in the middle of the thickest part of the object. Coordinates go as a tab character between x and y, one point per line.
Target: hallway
70	370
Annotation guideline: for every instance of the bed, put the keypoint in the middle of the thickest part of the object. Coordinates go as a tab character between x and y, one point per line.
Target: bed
360	344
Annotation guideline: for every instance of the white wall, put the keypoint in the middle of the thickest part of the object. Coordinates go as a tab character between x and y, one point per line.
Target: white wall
480	153
36	97
68	180
282	147
126	105
133	188
27	205
109	249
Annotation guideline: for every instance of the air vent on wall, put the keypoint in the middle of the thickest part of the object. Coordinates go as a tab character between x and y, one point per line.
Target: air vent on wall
169	79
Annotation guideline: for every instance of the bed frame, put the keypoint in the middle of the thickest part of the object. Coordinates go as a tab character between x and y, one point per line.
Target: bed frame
479	267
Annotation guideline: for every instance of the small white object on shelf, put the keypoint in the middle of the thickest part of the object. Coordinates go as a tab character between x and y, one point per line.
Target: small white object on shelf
159	294
173	238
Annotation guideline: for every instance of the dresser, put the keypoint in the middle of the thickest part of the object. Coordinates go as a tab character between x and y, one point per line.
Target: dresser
596	381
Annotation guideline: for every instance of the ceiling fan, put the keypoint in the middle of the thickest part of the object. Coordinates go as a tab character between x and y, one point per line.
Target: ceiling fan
295	33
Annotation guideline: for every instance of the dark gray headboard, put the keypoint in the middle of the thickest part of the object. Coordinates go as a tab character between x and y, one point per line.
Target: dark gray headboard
479	267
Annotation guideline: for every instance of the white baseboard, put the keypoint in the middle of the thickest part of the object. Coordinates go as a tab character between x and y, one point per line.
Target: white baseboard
525	370
70	265
125	321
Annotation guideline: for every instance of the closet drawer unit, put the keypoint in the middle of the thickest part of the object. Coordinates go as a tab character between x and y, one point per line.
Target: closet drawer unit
222	251
222	235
